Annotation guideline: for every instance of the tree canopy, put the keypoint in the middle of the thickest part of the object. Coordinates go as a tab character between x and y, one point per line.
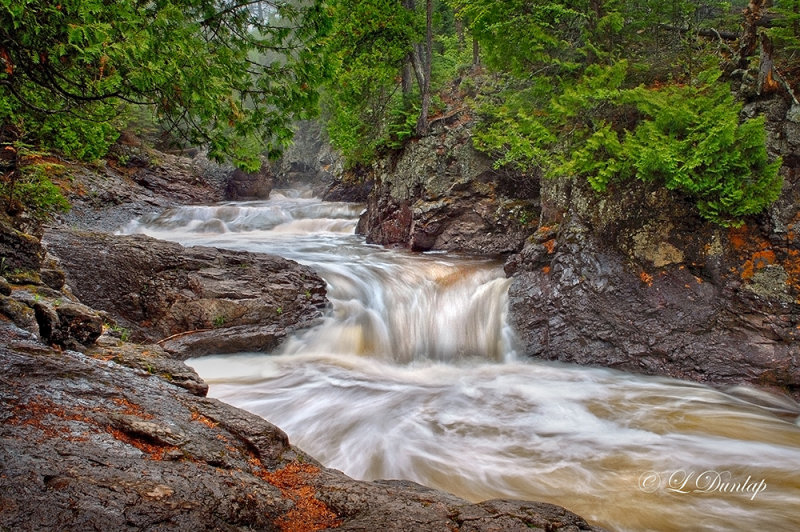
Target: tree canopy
228	74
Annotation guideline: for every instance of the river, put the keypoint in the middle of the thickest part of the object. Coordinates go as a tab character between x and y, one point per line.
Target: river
412	374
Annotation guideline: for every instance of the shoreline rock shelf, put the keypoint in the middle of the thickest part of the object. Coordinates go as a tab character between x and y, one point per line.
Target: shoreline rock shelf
194	300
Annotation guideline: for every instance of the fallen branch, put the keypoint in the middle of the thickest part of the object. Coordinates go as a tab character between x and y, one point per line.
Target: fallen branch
704	32
184	333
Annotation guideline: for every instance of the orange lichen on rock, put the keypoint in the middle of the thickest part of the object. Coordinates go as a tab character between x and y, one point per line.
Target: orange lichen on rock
792	267
34	412
197	416
646	278
755	251
758	261
546	269
153	451
550	245
309	513
131	409
738	237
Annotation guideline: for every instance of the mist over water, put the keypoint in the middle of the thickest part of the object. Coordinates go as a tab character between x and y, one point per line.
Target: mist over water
413	375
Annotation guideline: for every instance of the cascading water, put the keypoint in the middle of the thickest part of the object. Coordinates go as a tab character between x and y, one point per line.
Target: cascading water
412	375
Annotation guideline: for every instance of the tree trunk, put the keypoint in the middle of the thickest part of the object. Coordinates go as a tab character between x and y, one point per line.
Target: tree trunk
749	39
408	66
476	53
766	75
424	59
408	75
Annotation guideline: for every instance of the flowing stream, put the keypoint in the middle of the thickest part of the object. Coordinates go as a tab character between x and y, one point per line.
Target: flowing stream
412	375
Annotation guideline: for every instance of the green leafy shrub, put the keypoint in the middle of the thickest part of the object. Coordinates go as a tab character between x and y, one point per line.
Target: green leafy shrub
80	139
402	124
32	189
687	137
691	140
785	32
515	127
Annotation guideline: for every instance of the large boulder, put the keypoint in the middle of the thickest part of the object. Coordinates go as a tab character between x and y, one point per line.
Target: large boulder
70	325
19	250
243	185
195	300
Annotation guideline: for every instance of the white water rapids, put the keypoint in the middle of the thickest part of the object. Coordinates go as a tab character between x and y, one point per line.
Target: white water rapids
412	375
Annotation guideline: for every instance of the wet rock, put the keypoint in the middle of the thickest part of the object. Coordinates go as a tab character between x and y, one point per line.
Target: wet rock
309	161
441	194
227	340
19	251
5	288
197	300
86	443
150	360
51	274
80	323
53	278
135	180
19	313
353	190
155	432
674	296
68	325
243	185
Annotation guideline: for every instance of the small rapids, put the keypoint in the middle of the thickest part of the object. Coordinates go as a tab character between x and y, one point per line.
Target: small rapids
412	374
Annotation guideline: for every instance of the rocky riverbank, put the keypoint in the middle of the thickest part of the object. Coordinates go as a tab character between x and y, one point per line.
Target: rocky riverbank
631	279
194	300
439	193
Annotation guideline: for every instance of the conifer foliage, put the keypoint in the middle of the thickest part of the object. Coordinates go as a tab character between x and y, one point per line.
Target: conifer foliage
229	74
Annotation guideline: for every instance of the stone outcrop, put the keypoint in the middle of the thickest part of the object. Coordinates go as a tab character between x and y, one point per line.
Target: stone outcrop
674	303
34	298
243	185
19	250
87	443
207	300
136	180
440	193
634	279
309	160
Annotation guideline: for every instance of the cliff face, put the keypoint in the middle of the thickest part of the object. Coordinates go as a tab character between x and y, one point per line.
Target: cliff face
439	193
638	282
632	278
